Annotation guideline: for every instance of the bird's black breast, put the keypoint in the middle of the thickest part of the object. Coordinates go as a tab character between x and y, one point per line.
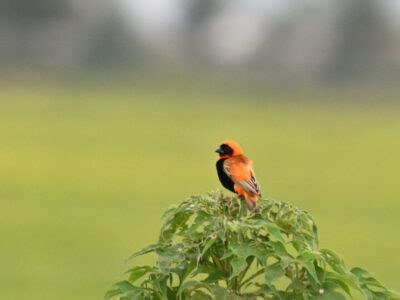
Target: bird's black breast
223	178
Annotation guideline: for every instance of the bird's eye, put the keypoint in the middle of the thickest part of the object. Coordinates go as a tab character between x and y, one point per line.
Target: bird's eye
226	149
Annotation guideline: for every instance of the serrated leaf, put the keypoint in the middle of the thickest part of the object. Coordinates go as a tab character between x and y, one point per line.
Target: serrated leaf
299	245
275	232
189	286
214	277
148	249
201	218
309	266
333	260
273	272
344	280
207	245
238	265
207	240
330	295
365	277
119	288
136	294
200	295
341	280
176	219
138	272
279	248
279	251
221	293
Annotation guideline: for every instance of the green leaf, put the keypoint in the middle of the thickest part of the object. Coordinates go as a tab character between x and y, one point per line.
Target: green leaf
214	277
119	288
138	272
176	219
344	280
200	295
201	218
275	232
367	282
172	256
238	265
148	249
207	239
221	293
307	259
280	252
192	285
366	278
333	260
207	245
273	272
330	295
136	294
299	245
339	280
244	250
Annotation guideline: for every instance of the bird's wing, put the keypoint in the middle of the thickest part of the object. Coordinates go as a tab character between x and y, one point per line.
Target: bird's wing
240	170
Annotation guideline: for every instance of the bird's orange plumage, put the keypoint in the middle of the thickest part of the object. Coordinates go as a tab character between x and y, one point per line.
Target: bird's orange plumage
236	172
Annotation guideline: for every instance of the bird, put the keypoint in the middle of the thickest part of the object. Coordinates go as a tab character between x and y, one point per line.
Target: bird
235	172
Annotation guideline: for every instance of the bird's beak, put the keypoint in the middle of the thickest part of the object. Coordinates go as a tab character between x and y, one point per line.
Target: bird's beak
219	151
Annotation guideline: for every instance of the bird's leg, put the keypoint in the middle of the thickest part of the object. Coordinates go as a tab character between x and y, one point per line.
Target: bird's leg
251	205
227	201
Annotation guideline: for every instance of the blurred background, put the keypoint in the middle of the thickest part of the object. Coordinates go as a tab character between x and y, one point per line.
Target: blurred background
110	112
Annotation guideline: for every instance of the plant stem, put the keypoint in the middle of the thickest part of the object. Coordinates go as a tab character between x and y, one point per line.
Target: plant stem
220	266
243	274
217	262
259	272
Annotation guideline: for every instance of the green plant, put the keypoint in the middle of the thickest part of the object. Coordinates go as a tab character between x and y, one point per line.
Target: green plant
211	247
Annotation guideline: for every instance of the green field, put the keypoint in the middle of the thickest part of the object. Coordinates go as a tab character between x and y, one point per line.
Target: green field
86	173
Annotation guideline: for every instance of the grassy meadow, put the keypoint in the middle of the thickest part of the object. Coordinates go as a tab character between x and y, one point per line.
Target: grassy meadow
87	172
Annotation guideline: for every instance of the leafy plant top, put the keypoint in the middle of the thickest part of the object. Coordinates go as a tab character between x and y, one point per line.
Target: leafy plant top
211	247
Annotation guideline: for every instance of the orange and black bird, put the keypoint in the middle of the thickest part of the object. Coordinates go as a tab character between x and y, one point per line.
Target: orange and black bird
235	171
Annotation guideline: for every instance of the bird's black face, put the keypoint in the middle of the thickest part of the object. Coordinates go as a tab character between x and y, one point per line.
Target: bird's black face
224	149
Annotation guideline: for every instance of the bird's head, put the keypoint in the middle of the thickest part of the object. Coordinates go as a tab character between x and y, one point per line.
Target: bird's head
229	149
